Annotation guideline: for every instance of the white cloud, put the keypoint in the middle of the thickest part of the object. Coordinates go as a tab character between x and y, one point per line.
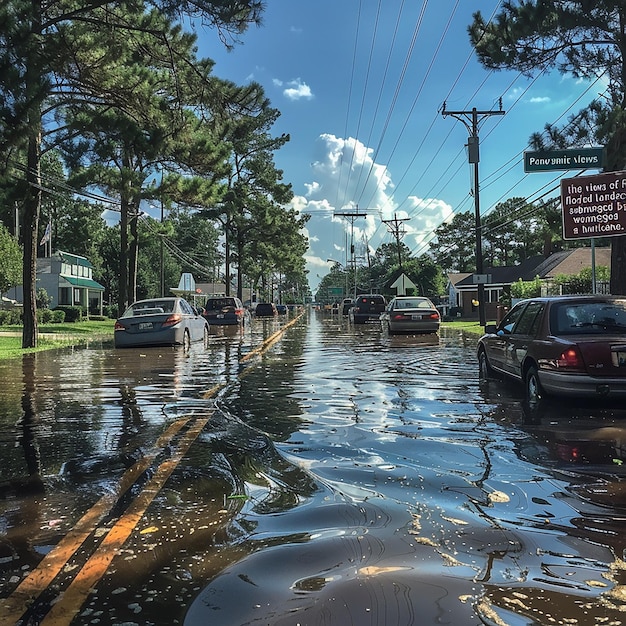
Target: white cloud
345	174
540	100
295	90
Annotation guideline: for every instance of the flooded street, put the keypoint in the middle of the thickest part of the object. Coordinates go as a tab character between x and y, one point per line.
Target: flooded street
303	472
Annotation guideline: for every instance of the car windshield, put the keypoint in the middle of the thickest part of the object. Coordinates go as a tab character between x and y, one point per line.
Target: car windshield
150	307
599	317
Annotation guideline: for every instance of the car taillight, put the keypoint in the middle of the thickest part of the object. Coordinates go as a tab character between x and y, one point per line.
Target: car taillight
570	359
119	326
172	320
434	316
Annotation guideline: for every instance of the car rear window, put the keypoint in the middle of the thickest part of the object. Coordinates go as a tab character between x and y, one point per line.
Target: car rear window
372	300
150	308
218	303
599	317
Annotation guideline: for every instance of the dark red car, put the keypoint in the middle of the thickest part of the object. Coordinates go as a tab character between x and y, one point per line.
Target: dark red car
563	346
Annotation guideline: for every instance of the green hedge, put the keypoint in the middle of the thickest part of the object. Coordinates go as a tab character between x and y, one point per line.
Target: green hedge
72	313
10	317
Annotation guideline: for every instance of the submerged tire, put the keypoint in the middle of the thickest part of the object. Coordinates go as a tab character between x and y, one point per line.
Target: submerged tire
485	370
532	387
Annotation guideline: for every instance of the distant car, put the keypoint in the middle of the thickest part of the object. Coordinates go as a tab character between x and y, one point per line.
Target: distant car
265	309
367	308
281	309
224	311
160	322
563	346
411	314
346	305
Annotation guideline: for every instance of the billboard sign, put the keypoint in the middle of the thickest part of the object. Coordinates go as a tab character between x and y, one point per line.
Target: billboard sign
594	206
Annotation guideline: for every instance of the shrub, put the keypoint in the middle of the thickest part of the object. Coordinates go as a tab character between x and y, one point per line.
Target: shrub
58	316
72	313
10	317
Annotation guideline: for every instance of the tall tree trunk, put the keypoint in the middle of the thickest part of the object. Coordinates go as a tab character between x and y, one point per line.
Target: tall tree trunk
32	204
133	254
123	278
32	199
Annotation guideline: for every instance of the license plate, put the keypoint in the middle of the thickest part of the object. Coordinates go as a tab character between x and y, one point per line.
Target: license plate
145	326
619	358
416	317
220	316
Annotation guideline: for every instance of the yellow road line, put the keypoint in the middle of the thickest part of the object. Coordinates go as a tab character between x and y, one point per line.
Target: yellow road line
271	340
63	611
13	607
69	604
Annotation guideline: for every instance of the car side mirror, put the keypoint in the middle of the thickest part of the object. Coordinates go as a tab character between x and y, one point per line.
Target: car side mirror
490	329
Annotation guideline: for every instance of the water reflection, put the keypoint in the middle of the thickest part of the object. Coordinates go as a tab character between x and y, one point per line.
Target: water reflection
340	476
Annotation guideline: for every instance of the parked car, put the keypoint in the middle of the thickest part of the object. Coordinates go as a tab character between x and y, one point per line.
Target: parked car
281	309
346	305
411	314
160	322
367	308
224	311
265	309
563	346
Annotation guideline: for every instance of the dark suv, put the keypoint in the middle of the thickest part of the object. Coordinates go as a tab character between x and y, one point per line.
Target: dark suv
367	308
224	311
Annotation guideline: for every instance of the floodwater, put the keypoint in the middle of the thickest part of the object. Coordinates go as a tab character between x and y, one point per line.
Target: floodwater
324	475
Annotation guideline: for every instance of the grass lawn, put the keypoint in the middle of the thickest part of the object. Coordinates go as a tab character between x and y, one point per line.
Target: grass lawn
54	336
471	327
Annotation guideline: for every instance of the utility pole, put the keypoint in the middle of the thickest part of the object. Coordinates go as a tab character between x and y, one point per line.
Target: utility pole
395	228
471	121
352	216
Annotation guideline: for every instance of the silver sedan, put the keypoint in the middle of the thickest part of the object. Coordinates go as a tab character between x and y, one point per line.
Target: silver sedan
160	322
411	314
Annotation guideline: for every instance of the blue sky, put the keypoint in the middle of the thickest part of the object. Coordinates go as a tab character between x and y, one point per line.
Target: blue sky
360	87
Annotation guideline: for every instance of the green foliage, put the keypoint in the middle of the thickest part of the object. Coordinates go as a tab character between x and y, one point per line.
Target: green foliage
581	282
43	299
10	317
11	265
72	313
526	288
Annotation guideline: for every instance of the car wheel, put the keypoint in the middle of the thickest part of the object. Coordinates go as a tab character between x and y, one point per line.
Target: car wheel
534	391
186	340
484	368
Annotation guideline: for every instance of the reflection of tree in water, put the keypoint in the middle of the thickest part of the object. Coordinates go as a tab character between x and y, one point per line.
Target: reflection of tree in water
27	425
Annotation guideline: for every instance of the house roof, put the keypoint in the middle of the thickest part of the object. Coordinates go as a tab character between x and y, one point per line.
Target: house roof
506	274
455	278
73	259
571	262
81	282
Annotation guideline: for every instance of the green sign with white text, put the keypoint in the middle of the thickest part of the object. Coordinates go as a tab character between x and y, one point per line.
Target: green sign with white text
574	159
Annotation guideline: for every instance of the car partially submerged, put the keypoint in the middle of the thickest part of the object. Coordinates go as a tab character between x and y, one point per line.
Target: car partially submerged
571	346
224	311
411	314
367	308
160	322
